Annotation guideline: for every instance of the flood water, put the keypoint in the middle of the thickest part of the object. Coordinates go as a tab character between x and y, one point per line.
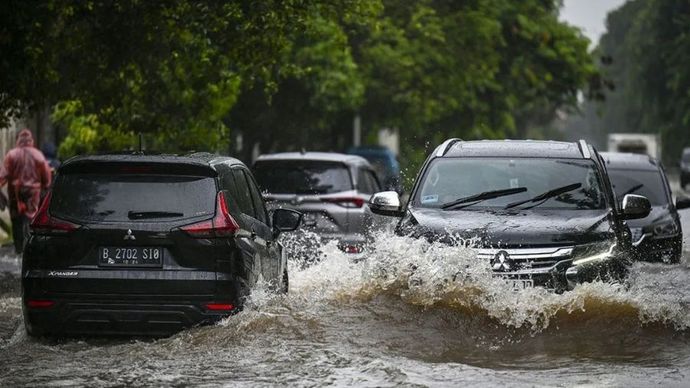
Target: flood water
376	322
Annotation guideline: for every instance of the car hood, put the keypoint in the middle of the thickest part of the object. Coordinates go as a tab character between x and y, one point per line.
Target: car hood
529	228
656	215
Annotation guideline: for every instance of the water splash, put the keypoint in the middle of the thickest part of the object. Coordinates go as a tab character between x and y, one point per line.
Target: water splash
433	274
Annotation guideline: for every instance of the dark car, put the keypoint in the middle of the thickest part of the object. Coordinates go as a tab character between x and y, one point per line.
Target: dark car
148	245
685	168
544	212
657	237
385	164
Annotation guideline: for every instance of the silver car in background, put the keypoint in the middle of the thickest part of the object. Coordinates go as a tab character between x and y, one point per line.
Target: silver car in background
331	190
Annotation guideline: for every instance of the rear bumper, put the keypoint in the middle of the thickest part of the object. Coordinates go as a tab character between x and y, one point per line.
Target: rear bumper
138	315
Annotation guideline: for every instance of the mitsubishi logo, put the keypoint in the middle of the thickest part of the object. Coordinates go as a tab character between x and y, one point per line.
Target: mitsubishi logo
129	235
502	262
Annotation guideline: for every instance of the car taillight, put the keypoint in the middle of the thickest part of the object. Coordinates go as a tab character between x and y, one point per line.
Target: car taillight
39	304
350	248
221	225
44	223
346	201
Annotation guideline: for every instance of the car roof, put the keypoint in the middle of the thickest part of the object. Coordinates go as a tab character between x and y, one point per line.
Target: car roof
197	158
514	148
629	161
315	156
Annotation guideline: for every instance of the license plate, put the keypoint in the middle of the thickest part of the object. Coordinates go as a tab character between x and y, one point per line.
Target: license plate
130	256
520	284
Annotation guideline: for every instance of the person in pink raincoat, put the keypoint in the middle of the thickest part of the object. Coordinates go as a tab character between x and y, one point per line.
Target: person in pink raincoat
27	174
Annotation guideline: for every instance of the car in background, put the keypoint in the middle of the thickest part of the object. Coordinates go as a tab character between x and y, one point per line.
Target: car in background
659	236
543	213
385	164
685	168
139	244
331	190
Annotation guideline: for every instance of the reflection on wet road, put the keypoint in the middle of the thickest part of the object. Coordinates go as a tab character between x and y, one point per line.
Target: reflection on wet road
378	322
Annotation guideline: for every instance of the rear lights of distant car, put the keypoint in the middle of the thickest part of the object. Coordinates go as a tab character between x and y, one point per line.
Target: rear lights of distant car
44	223
221	225
353	202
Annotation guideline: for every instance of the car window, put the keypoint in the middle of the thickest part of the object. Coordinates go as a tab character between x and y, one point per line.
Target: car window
302	177
366	182
132	197
260	208
641	182
242	194
449	179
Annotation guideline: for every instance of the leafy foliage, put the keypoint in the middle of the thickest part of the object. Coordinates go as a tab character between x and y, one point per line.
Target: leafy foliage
646	51
290	73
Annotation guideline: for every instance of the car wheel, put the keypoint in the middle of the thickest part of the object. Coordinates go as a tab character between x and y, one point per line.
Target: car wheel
285	282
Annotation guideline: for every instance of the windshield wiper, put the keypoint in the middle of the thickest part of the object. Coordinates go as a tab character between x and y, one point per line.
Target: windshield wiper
454	205
133	215
546	195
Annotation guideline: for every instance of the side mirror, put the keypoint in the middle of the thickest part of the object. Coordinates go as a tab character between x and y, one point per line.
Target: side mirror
635	206
386	203
682	202
286	220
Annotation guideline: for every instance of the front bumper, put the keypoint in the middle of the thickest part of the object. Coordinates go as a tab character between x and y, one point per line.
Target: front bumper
667	250
553	268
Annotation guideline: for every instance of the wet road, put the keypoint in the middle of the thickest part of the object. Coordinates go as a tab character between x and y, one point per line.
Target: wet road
375	323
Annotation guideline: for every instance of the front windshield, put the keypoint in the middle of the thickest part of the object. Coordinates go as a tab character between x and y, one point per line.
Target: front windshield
449	179
641	182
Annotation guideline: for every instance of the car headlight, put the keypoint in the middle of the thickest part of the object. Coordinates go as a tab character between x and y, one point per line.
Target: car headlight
665	229
604	252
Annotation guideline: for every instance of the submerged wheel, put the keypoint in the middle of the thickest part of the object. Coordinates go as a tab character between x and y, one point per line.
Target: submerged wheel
285	282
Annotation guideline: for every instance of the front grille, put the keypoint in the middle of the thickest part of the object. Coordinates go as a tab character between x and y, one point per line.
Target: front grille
521	259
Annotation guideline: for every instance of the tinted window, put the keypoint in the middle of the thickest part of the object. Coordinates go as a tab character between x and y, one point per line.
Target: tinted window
449	179
647	183
243	197
302	177
117	197
257	200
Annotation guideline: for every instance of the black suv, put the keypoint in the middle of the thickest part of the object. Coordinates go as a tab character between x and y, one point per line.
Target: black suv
659	236
544	211
148	245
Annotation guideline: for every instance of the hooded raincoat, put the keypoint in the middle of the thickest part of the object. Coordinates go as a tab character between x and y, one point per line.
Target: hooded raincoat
26	172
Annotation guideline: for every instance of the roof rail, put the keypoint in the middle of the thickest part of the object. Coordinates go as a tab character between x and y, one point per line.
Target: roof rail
584	149
445	146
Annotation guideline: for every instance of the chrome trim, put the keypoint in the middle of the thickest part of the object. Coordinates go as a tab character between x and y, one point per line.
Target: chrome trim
527	253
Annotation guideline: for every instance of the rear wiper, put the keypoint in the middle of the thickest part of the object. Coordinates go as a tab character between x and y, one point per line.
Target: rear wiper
546	195
454	205
132	215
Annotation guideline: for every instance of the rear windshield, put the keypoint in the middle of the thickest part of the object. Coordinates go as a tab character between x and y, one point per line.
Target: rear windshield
302	177
139	198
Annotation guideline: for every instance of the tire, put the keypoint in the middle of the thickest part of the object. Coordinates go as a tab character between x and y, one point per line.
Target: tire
285	282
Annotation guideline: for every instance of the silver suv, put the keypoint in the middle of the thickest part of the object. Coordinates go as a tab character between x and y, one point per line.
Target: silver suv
331	190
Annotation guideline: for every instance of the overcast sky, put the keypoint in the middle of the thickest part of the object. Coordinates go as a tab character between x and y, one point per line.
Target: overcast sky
590	15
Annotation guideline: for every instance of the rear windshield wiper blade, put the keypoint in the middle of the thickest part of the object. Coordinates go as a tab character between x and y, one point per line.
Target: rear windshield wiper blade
134	215
453	205
546	195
